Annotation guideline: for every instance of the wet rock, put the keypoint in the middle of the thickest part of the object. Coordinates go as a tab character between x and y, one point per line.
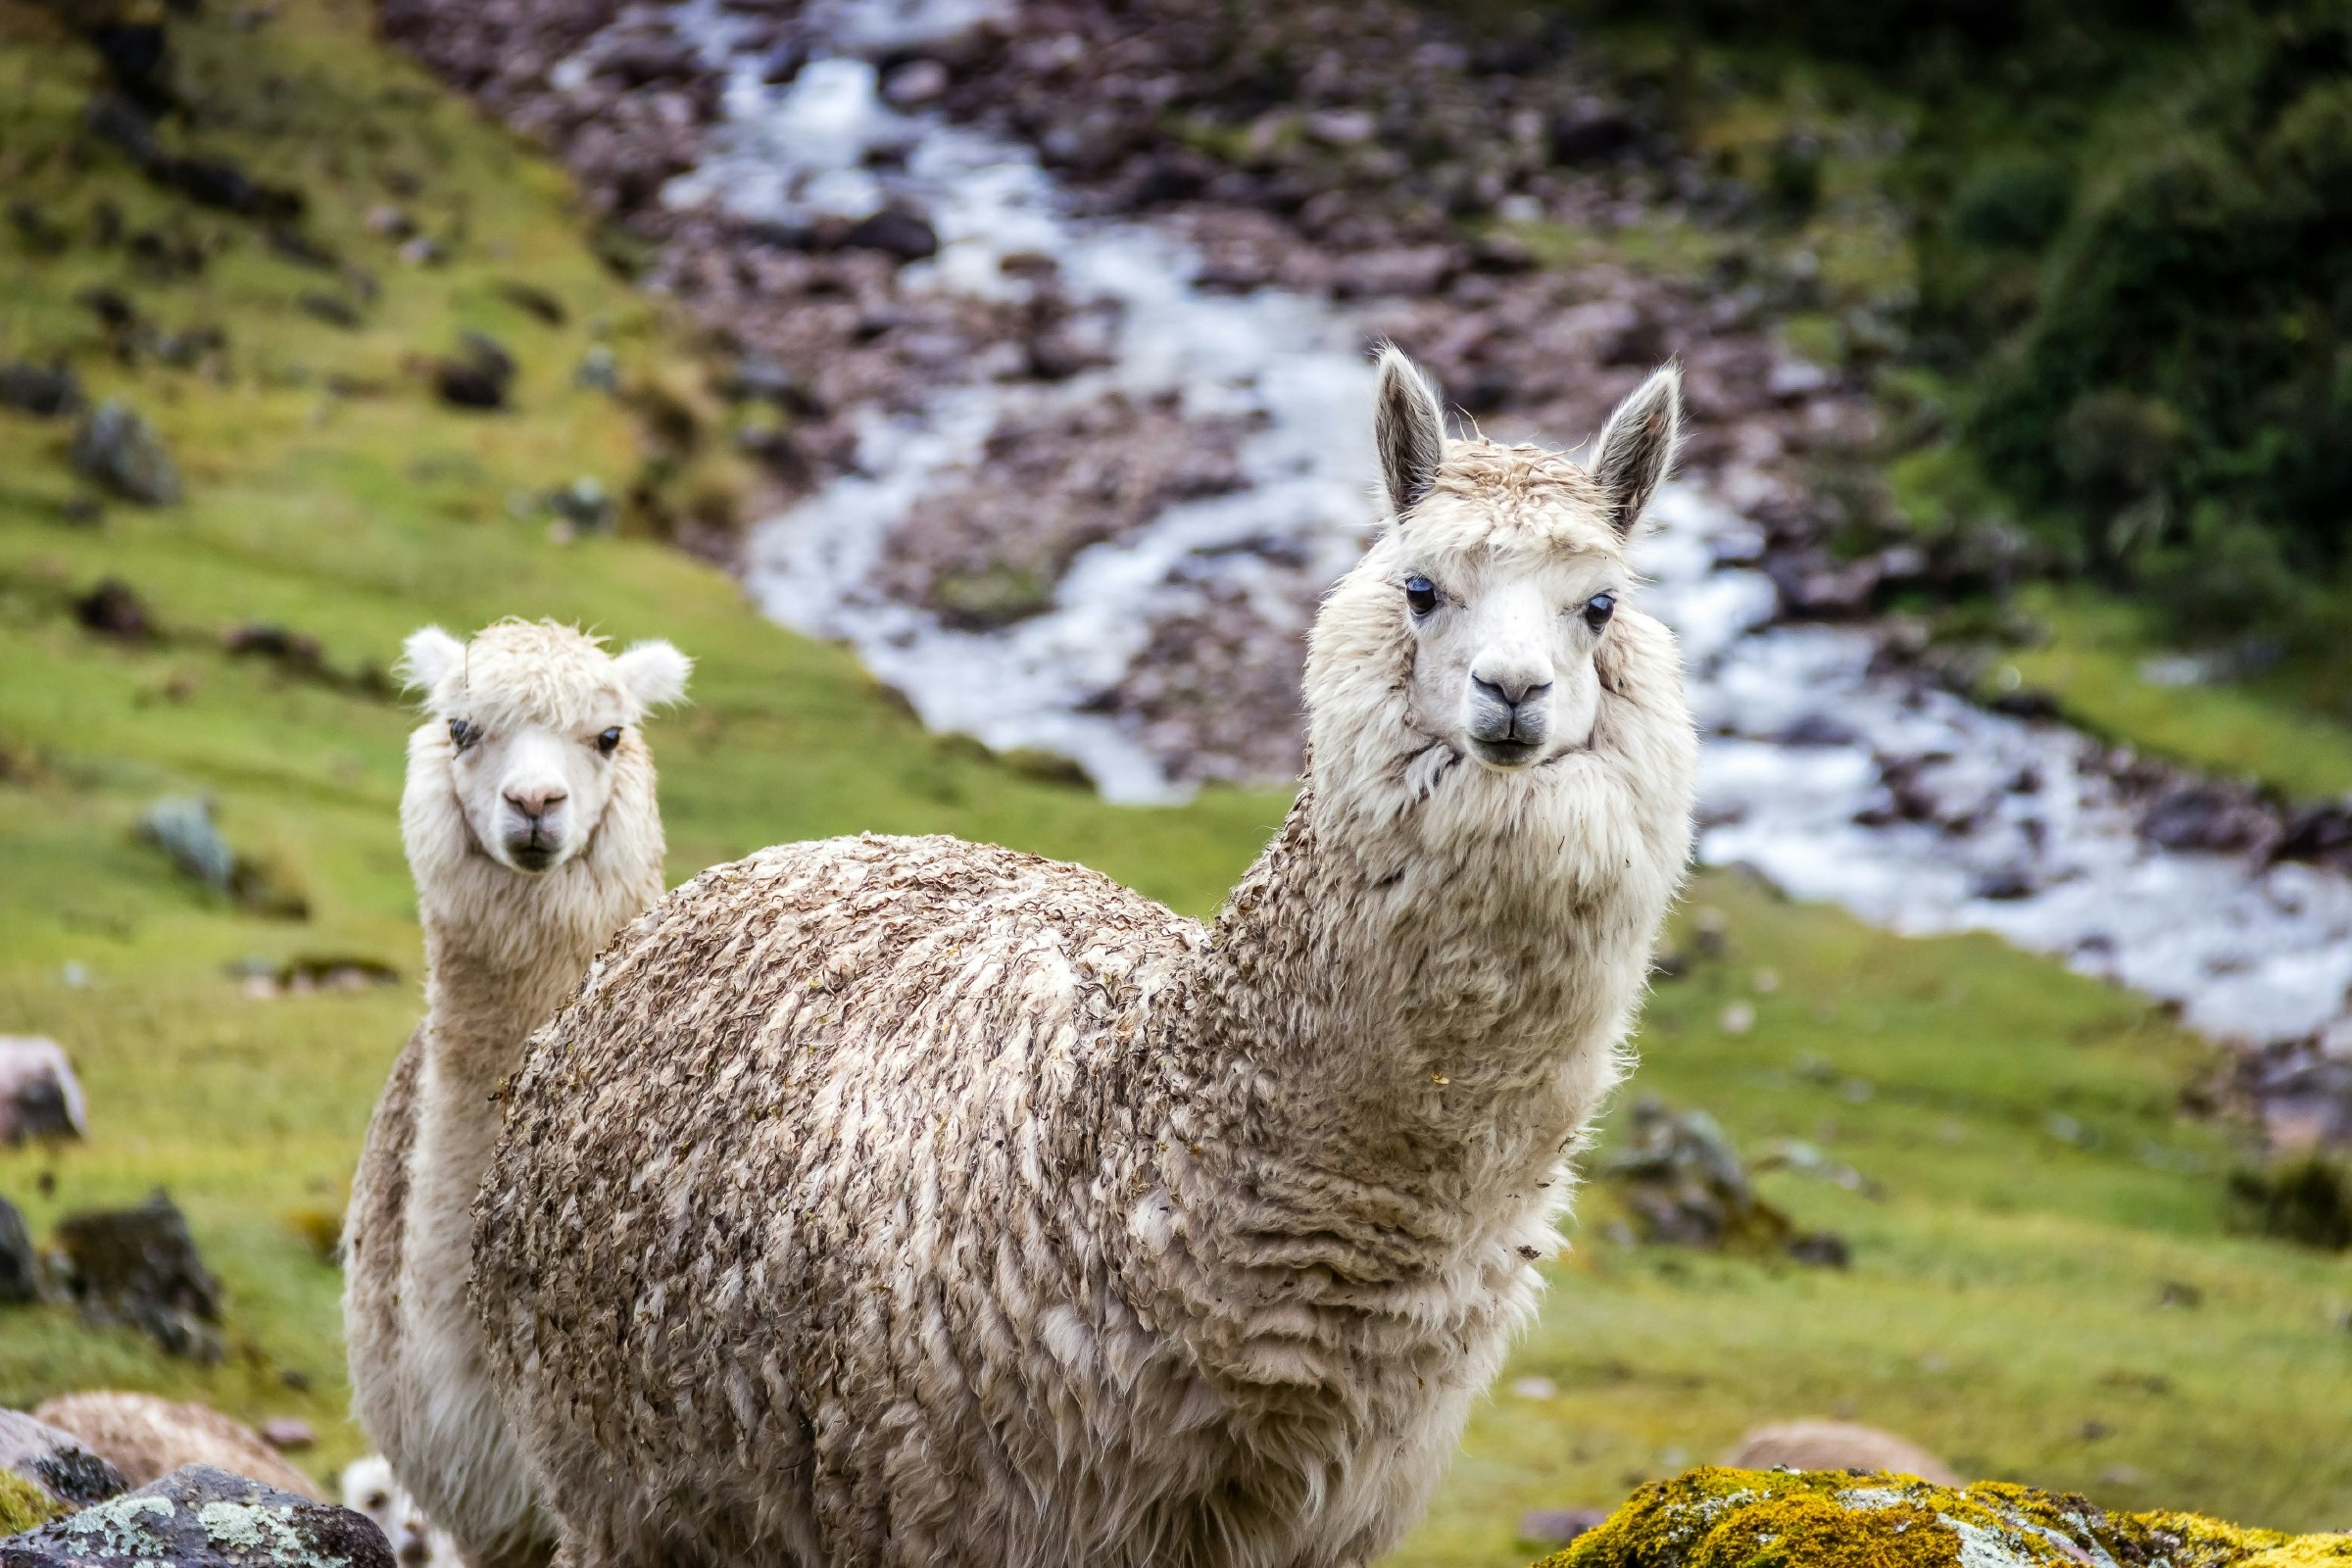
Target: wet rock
117	448
915	83
39	1095
1685	1185
56	1461
1556	1527
114	608
895	231
479	375
2318	835
2008	883
2213	818
202	1517
46	392
137	1268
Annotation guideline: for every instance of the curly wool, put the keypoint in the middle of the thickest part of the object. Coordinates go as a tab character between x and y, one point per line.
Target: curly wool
915	1201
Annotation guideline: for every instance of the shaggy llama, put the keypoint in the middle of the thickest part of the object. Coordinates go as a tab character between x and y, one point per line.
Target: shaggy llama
915	1201
532	832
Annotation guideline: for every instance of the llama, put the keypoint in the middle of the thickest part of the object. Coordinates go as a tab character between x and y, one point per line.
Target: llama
369	1488
917	1201
147	1438
533	835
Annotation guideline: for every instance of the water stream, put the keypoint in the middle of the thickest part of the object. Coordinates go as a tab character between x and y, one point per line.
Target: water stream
1913	808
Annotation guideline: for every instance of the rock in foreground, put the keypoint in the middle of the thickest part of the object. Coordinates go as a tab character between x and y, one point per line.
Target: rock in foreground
1716	1518
200	1517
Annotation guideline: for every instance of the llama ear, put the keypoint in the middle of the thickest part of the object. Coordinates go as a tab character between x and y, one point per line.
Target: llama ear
1636	450
1409	429
655	673
428	654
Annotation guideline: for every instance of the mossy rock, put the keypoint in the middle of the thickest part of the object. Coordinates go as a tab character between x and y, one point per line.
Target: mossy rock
24	1505
1718	1518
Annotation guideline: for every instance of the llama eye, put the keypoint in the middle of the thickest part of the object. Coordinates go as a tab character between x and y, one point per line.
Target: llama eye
1420	594
461	733
1598	608
608	740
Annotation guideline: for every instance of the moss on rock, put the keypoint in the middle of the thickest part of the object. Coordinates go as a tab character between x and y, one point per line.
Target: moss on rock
1719	1518
24	1505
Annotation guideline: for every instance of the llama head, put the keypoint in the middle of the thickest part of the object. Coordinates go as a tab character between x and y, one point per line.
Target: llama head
535	728
1490	620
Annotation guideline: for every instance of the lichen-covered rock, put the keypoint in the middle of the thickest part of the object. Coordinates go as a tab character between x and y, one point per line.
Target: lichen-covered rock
53	1462
22	1504
1720	1518
199	1517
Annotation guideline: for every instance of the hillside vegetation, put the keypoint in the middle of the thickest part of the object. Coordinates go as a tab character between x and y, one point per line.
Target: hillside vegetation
2043	1284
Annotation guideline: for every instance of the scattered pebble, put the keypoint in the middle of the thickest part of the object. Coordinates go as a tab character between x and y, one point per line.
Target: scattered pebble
39	1095
1556	1527
287	1432
1535	1387
1738	1018
118	450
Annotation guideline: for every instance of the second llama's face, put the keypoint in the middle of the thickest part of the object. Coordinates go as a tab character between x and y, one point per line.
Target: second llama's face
1507	566
532	724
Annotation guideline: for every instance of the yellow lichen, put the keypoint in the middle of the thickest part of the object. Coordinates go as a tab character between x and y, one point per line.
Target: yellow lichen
24	1505
1719	1518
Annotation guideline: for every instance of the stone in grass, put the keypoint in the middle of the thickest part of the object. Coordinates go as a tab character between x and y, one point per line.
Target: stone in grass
137	1268
200	1517
20	1264
65	1469
147	1436
39	1095
1720	1518
117	448
1685	1185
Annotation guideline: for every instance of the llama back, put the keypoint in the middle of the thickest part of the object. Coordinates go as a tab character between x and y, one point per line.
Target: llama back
826	1111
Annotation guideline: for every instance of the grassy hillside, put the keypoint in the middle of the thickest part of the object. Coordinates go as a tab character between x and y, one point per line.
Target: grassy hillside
2039	1197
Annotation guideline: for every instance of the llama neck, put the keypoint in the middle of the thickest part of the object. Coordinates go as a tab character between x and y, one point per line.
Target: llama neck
1427	1014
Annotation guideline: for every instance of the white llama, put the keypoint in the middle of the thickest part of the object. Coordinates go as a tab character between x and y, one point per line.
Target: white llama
915	1201
532	832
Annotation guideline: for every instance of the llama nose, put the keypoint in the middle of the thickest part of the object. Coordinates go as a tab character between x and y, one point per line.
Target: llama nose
534	804
1510	690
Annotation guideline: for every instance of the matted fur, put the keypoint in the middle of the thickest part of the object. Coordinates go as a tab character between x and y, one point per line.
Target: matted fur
915	1201
504	948
147	1438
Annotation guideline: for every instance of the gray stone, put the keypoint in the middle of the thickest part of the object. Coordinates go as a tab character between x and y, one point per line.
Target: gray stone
200	1517
137	1268
56	1461
39	1095
120	450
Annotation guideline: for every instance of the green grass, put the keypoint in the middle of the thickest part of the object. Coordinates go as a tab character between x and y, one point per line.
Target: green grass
2005	1288
2268	728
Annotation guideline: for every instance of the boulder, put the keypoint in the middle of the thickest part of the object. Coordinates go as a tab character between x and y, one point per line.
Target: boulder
117	448
1836	1446
55	1460
44	391
200	1517
147	1438
1684	1183
39	1095
1827	1519
137	1268
20	1264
